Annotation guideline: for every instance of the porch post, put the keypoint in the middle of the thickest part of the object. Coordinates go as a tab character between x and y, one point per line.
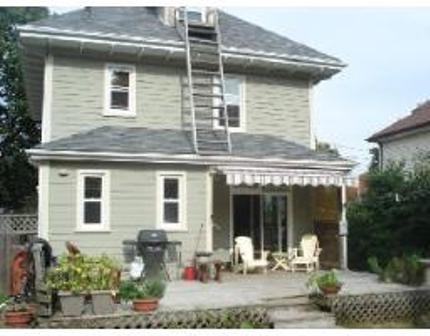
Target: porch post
343	230
209	211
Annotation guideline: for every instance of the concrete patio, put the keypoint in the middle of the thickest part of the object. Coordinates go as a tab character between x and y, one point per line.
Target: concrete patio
256	289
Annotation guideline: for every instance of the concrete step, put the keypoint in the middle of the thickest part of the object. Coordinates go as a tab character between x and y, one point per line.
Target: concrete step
308	324
298	300
296	315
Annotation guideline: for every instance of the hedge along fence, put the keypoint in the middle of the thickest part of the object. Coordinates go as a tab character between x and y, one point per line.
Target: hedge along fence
381	308
212	318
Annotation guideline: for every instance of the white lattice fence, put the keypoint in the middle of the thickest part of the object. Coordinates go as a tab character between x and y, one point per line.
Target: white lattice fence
213	318
19	224
382	307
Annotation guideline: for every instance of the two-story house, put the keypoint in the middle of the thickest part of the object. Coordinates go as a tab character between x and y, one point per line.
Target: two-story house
197	124
405	141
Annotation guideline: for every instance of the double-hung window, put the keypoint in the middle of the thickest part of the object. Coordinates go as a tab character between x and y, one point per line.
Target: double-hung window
93	201
120	90
171	201
234	98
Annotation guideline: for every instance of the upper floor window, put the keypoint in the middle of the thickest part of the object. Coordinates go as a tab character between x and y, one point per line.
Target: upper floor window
194	14
93	200
171	201
120	90
234	99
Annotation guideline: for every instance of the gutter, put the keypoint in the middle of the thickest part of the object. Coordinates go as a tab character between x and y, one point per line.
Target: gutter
191	159
172	45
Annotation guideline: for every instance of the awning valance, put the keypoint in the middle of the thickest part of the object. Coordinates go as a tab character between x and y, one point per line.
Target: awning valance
265	176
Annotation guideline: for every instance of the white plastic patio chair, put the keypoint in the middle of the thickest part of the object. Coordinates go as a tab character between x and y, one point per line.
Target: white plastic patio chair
307	255
244	248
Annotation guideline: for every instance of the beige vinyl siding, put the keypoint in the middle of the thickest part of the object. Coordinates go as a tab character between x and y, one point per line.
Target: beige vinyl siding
78	97
273	105
278	107
132	207
407	148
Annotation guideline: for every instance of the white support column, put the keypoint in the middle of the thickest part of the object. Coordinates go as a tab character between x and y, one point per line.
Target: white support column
343	230
209	212
43	201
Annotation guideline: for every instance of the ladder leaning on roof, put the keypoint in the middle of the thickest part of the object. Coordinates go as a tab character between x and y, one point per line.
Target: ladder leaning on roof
206	86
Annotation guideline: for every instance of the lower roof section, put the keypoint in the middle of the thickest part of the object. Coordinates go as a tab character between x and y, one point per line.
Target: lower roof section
115	143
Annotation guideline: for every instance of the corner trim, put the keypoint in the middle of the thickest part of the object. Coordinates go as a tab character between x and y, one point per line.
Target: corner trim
43	204
47	99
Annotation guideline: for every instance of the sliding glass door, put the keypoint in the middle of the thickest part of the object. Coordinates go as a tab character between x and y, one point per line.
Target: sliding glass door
263	218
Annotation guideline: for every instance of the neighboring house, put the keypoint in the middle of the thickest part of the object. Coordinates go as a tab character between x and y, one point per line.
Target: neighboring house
125	148
406	140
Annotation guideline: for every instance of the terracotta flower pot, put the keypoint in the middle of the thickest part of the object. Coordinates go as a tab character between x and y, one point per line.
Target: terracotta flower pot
331	290
145	305
18	319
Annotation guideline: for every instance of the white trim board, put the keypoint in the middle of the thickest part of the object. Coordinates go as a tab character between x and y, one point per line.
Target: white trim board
43	202
104	225
47	99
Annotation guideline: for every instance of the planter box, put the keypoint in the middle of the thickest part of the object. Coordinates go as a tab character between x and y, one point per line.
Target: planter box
102	302
71	304
18	319
145	305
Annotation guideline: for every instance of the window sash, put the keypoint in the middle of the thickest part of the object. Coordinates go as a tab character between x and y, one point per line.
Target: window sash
90	207
231	100
124	95
164	202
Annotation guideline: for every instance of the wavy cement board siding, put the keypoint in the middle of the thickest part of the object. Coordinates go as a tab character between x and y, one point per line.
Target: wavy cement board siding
273	105
133	207
78	97
406	148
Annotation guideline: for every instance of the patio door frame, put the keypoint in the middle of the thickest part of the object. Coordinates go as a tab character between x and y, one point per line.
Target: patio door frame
261	192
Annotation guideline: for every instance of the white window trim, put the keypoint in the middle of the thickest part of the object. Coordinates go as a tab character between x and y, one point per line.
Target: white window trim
242	109
182	178
131	111
104	226
202	10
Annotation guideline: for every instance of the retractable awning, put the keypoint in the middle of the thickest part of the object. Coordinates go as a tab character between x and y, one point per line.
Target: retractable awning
264	176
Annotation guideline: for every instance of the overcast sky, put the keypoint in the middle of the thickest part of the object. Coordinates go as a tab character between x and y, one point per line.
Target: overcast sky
388	55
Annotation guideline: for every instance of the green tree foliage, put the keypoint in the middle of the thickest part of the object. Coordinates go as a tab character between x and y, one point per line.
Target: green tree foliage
18	131
325	147
393	218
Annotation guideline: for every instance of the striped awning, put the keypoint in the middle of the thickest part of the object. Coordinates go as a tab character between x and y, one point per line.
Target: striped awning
272	176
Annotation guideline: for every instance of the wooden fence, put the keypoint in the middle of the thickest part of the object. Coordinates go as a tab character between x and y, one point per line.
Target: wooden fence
15	232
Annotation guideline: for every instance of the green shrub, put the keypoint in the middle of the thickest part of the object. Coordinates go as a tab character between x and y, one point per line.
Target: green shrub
81	273
328	279
405	270
131	290
392	218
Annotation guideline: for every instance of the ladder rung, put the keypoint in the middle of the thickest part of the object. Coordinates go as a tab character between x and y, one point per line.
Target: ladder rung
202	41
205	73
209	106
207	95
207	84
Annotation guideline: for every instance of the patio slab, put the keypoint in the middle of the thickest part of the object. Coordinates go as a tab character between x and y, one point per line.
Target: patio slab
256	289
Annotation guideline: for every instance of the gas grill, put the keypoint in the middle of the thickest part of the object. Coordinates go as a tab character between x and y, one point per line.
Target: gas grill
152	246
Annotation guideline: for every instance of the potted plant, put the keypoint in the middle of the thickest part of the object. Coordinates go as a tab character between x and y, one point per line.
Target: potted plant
104	275
70	281
18	314
145	297
327	283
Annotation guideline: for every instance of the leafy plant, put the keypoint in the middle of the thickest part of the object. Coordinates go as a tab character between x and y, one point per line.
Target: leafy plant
328	279
17	304
80	274
131	290
405	270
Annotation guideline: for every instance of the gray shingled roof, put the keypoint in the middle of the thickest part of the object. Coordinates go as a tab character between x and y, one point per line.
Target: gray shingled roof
142	22
124	140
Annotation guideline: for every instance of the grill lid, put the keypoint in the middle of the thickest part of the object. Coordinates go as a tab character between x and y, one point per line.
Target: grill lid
152	236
